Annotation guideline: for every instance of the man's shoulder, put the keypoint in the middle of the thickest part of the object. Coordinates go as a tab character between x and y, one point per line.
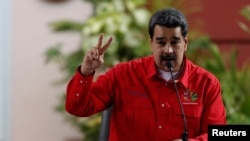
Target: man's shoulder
199	71
139	65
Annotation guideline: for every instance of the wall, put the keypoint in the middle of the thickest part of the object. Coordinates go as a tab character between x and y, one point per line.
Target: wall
33	95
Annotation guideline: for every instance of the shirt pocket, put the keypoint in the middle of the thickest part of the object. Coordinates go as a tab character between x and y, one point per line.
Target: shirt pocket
138	113
193	115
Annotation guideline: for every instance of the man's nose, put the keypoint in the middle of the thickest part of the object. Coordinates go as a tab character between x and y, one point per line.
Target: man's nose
168	49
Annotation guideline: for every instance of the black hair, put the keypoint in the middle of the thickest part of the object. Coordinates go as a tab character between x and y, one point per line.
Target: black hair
169	17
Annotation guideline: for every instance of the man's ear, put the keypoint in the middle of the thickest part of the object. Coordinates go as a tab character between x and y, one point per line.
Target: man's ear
186	43
151	43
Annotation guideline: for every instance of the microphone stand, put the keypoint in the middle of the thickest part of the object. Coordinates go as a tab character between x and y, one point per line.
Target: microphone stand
185	133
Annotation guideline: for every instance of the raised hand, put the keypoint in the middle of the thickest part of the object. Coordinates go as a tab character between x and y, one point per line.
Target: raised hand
94	57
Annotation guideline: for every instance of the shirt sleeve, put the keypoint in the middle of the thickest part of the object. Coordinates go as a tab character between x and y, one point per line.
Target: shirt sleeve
84	97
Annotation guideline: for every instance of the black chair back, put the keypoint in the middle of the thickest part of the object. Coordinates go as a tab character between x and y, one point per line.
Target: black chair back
105	124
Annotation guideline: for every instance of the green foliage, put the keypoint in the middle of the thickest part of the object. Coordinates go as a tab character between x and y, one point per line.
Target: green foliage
126	21
245	12
64	25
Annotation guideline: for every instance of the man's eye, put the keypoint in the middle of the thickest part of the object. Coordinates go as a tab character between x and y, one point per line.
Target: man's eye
161	43
174	42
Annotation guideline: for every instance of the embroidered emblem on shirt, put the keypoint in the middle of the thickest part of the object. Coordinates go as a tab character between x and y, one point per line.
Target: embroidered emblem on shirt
190	96
194	96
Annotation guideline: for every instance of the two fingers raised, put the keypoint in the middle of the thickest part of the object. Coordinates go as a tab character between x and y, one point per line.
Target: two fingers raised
102	48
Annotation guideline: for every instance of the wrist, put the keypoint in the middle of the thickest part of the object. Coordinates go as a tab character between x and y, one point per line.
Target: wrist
85	71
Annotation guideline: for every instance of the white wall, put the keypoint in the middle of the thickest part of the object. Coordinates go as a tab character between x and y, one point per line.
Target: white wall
33	96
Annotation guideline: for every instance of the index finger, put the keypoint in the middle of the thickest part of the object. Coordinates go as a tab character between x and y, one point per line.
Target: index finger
99	44
104	48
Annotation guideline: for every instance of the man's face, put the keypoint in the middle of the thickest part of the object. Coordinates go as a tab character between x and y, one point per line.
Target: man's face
168	44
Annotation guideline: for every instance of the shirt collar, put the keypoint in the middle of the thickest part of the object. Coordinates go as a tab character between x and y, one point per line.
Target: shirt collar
152	71
185	72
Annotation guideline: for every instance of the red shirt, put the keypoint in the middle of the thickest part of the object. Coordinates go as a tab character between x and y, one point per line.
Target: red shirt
145	106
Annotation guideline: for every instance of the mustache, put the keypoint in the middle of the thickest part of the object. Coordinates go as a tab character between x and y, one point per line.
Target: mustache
168	57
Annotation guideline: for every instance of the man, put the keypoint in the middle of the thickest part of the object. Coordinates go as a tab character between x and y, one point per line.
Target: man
146	105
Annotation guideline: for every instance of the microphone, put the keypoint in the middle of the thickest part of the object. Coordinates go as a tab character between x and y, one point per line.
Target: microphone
185	133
